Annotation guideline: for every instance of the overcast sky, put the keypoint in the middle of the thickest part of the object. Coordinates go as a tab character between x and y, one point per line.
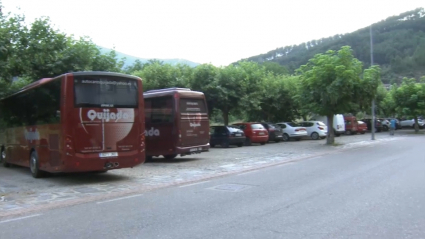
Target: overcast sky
216	31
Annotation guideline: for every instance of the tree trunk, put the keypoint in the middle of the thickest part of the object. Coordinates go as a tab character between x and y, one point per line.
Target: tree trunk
225	114
416	125
330	140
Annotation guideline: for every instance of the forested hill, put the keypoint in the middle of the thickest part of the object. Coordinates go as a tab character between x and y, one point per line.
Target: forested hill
130	60
398	44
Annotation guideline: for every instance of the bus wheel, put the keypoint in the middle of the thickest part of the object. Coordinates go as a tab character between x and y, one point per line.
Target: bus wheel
34	166
170	156
3	159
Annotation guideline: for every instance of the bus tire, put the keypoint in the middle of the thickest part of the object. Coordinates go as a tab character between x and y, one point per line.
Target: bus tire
3	159
170	156
34	166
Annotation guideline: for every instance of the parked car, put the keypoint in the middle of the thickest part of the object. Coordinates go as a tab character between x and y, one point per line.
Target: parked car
385	124
275	131
351	125
292	130
378	125
315	129
361	127
411	123
226	136
254	132
338	123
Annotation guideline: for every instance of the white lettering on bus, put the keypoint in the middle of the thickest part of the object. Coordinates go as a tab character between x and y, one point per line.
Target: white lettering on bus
152	132
106	115
195	124
191	103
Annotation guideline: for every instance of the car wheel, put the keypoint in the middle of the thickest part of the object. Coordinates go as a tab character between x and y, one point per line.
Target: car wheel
212	145
285	137
35	166
3	159
315	136
170	156
248	142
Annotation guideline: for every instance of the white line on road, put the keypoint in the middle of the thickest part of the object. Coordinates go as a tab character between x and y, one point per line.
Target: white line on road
116	199
19	218
187	185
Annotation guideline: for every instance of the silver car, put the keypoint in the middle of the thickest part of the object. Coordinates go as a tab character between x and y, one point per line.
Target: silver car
315	129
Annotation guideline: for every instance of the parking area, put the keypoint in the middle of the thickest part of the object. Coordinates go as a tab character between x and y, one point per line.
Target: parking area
19	191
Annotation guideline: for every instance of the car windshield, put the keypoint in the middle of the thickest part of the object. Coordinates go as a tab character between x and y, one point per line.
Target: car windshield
321	123
233	129
257	126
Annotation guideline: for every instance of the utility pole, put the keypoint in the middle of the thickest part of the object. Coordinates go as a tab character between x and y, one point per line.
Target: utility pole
373	100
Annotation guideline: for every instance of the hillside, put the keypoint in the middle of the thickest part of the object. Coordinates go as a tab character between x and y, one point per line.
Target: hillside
131	59
398	43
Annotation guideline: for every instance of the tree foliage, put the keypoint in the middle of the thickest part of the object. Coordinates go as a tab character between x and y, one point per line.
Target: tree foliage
332	84
410	99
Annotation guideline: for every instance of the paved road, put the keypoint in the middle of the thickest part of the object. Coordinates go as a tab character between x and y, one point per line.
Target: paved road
375	191
19	192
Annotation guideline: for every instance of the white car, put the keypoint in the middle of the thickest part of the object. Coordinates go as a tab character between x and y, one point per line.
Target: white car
411	123
292	131
315	129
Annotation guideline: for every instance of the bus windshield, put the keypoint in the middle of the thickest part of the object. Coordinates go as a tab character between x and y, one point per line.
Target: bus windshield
105	91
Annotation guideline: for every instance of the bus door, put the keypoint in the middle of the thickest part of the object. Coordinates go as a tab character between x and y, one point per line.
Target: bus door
161	133
107	111
194	123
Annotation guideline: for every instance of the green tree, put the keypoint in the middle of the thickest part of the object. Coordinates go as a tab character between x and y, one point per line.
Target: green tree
275	68
331	84
410	99
229	91
203	78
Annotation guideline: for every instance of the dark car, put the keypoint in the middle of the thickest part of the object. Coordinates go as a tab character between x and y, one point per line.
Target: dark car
378	124
226	135
275	131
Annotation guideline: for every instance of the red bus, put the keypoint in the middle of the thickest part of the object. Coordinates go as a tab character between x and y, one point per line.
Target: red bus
176	121
76	122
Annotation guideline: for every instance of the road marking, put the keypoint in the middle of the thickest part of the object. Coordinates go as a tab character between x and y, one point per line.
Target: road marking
187	185
117	199
19	218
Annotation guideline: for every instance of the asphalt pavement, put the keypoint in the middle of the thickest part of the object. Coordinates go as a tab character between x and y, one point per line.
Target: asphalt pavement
373	191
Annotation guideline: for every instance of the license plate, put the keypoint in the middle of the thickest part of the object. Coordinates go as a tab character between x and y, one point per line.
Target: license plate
110	154
261	133
238	135
195	149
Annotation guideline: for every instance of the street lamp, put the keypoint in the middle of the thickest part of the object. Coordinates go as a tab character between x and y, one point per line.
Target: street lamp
373	100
